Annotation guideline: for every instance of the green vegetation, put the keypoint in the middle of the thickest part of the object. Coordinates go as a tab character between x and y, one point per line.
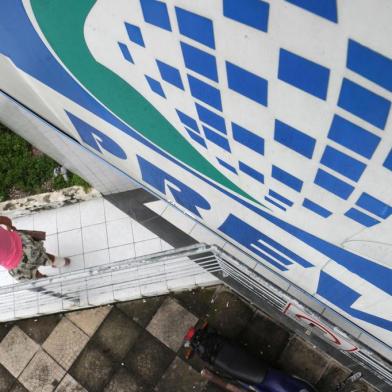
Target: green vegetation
25	172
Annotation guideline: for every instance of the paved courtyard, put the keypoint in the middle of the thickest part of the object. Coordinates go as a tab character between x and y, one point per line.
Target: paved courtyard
136	346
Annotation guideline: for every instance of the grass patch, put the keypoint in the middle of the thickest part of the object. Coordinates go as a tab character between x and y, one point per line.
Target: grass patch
24	173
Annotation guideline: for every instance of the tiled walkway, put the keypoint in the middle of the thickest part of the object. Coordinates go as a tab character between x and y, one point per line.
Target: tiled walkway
91	233
136	346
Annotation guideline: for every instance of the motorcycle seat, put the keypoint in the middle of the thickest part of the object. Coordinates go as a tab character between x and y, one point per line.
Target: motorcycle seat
240	364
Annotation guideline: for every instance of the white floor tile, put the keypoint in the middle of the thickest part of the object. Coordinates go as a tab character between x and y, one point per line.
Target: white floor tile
96	258
68	218
92	212
112	212
120	253
140	233
46	221
180	220
119	232
158	206
143	248
6	279
94	237
166	246
77	263
52	244
24	222
70	243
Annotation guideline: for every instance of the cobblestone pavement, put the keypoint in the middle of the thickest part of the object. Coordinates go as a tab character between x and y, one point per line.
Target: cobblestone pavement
136	346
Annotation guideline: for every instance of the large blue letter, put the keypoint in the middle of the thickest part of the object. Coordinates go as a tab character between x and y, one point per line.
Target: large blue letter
96	139
343	297
253	239
187	197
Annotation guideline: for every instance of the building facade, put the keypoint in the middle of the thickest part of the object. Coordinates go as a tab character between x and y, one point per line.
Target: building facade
267	122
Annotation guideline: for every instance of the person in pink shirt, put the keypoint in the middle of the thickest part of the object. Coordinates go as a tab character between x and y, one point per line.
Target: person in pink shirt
21	255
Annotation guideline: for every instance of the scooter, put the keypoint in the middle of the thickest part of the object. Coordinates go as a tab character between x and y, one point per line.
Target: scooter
236	370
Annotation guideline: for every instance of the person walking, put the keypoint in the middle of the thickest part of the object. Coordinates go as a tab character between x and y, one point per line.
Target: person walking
22	255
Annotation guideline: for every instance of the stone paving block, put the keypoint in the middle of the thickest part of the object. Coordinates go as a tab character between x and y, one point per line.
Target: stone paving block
6	379
65	343
90	319
170	323
92	369
69	384
18	387
265	338
42	374
141	310
180	377
229	314
148	359
333	375
16	351
197	301
39	328
117	334
4	329
300	359
123	381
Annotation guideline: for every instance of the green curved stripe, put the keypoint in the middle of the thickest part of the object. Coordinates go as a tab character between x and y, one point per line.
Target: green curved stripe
62	23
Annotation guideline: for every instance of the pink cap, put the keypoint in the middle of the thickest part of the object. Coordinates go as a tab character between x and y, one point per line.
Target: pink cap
11	251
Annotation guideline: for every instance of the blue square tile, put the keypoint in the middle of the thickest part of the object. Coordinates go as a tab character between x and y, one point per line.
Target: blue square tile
227	166
196	27
211	118
363	103
197	138
279	197
217	139
342	163
286	178
256	175
325	8
333	184
155	86
312	206
170	74
361	218
294	139
205	92
125	52
375	206
155	13
370	64
134	34
199	61
274	203
248	138
247	83
188	121
253	13
353	137
388	161
304	74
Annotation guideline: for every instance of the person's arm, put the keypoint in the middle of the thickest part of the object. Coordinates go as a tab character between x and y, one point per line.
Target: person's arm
4	220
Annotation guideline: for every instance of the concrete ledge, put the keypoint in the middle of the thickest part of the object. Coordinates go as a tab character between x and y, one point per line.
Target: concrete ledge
46	201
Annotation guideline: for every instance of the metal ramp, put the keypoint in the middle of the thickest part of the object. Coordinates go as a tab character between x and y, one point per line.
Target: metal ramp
150	275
